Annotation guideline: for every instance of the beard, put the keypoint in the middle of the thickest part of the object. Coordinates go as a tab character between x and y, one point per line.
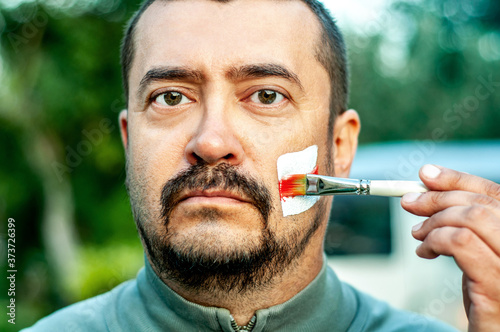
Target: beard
199	266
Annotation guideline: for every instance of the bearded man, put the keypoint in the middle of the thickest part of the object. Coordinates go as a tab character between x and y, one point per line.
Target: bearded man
206	83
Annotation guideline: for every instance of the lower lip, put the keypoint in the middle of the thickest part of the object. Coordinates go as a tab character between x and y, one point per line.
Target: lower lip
218	200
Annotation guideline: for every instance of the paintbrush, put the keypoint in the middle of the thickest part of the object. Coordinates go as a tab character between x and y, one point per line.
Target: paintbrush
321	185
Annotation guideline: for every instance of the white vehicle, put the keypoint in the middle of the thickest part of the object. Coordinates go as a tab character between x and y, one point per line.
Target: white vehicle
369	242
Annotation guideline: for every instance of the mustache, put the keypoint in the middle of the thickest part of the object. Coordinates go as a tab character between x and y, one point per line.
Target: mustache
223	176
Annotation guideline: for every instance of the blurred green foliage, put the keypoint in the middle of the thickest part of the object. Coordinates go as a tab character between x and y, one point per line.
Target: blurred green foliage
426	63
62	170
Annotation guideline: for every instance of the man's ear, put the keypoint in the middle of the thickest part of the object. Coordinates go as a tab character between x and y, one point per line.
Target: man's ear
345	141
123	122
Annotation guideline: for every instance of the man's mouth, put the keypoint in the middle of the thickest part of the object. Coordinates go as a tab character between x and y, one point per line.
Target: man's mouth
219	187
213	197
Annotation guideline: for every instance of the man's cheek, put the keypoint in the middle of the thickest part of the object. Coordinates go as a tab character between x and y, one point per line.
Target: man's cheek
159	160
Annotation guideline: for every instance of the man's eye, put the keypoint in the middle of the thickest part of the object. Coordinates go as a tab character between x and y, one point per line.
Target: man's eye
267	97
172	98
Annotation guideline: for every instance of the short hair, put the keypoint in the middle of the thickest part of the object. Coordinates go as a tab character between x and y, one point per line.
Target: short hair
330	52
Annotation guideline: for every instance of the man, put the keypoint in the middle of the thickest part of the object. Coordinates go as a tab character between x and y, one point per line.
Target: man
217	91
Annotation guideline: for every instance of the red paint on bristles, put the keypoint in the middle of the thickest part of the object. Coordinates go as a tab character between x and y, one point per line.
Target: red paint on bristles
294	185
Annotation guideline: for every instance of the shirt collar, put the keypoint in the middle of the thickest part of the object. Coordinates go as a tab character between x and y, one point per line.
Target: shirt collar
325	302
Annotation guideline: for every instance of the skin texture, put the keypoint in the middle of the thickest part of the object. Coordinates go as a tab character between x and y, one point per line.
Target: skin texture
464	222
222	123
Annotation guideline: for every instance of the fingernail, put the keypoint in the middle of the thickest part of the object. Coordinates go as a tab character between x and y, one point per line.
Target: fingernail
417	227
411	197
431	171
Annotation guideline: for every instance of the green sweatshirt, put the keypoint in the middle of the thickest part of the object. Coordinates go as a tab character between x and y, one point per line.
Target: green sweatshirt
148	304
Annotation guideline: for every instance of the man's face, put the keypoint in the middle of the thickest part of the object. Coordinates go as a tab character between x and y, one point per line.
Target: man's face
217	93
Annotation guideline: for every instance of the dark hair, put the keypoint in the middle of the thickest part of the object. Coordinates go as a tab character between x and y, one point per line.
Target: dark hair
331	53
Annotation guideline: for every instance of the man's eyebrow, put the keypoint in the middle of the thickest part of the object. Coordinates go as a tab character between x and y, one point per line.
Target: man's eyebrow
168	74
264	70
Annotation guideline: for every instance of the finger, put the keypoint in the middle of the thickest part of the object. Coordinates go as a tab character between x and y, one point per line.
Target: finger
472	255
438	178
478	219
429	203
466	298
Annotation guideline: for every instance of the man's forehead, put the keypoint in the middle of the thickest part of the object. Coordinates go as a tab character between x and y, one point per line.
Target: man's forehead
239	30
282	13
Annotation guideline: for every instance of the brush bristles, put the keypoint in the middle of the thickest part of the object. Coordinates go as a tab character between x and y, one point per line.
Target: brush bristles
293	185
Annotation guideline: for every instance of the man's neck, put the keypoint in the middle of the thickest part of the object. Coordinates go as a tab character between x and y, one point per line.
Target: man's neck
243	305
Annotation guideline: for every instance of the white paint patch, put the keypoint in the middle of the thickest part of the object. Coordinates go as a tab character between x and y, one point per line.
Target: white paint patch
302	162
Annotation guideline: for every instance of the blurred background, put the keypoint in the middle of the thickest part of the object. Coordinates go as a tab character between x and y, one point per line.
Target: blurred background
416	67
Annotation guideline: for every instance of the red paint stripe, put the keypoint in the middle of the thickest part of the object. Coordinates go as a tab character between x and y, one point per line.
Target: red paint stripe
292	185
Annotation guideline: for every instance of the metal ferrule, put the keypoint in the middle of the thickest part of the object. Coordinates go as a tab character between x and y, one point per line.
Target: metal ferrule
318	185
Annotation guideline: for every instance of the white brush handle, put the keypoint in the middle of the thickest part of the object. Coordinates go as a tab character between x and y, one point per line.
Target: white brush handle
396	188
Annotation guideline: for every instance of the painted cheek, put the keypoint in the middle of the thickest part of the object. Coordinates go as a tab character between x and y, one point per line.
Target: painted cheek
302	162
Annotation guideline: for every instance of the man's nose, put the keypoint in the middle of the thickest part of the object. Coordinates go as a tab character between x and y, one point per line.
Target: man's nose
215	140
